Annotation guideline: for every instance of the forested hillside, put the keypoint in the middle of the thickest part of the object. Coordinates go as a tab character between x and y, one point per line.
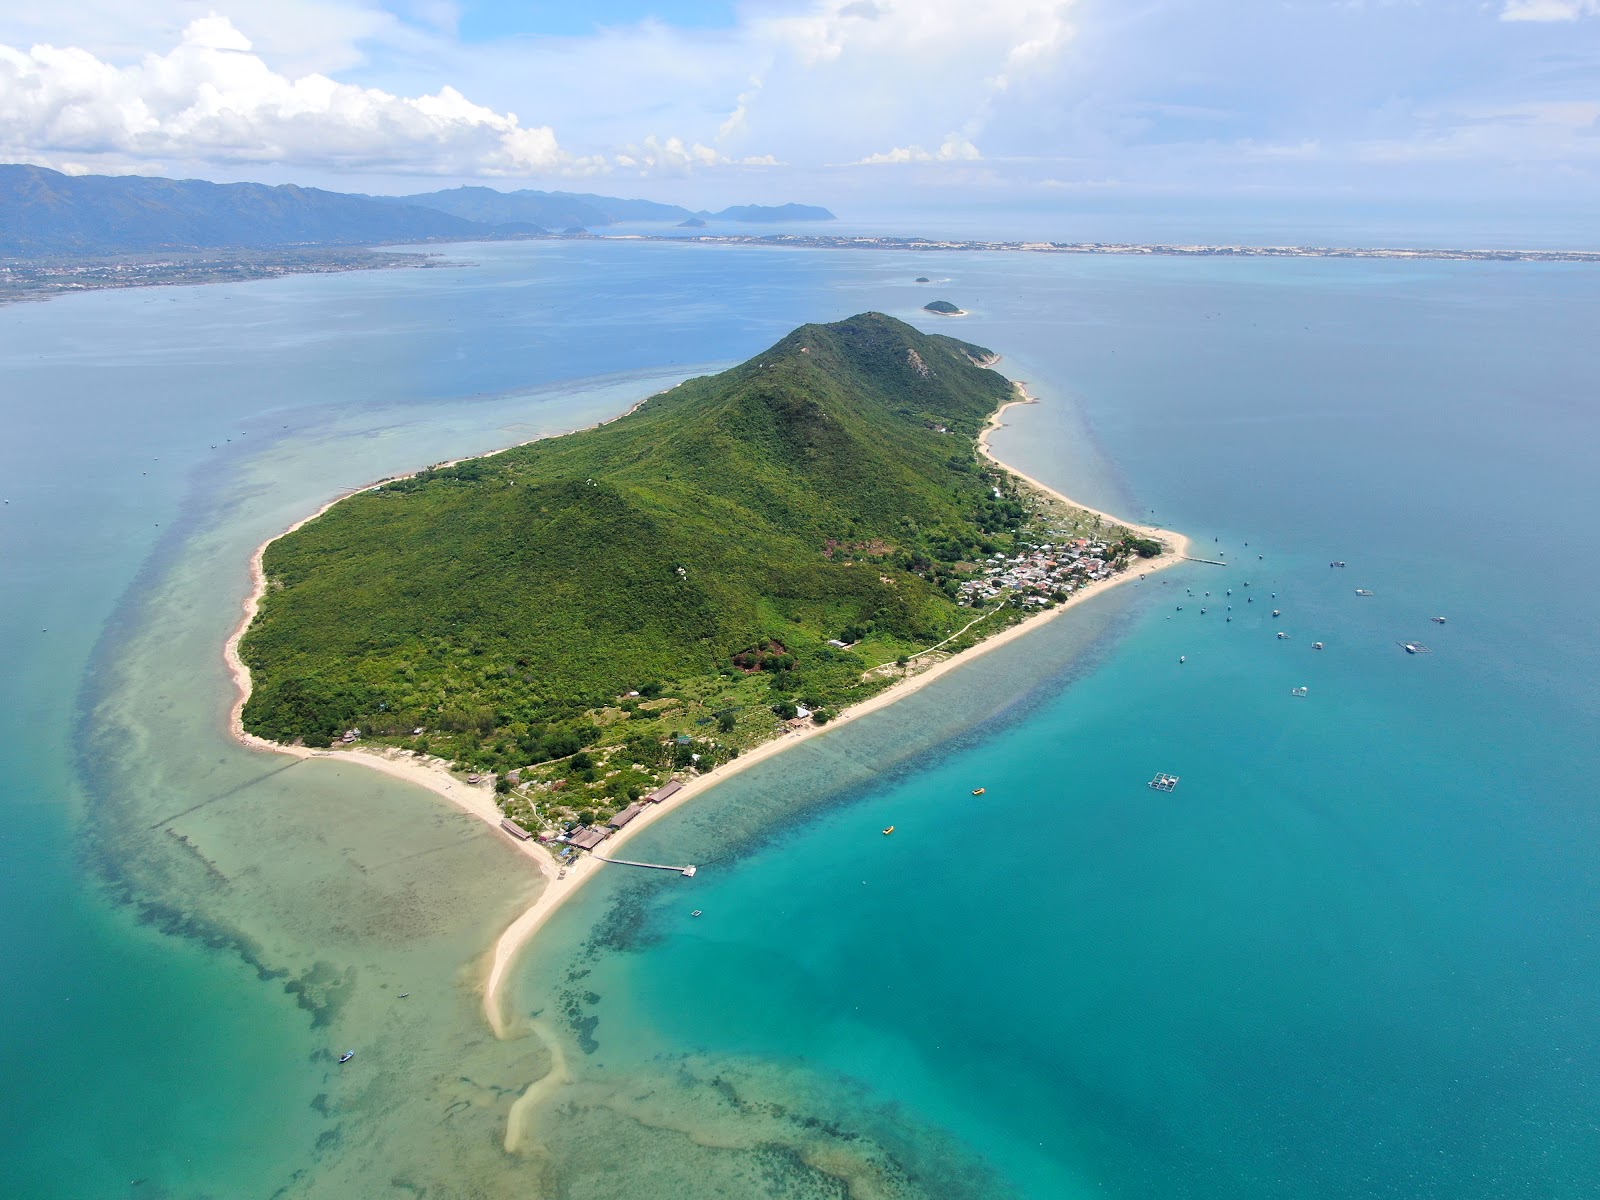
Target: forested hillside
702	551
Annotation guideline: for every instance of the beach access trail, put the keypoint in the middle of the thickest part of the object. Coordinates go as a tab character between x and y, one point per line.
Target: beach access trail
478	800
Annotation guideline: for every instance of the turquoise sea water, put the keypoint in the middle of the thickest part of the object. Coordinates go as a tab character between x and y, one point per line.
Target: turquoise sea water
1352	955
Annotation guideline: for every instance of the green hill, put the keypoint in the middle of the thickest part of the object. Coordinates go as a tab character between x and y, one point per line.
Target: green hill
703	550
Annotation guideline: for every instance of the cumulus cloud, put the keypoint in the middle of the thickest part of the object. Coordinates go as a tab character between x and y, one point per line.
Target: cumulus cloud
1549	10
955	148
674	156
212	98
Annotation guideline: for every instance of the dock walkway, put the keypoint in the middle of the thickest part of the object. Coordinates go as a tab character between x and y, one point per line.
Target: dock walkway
623	862
1210	562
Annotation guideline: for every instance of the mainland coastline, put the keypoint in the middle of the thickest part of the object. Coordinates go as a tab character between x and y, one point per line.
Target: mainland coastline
560	883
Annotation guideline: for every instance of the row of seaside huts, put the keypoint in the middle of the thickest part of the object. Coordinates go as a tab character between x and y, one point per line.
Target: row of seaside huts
589	838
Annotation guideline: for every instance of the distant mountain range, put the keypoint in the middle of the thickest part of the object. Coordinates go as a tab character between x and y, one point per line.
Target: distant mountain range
45	213
564	210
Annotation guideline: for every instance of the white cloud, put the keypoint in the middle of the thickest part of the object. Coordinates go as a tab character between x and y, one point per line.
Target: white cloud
852	76
1548	10
955	148
213	99
674	156
1545	131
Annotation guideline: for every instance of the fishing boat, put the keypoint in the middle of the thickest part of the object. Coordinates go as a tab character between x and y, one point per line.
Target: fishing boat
888	831
1437	620
1282	637
1316	645
1183	658
347	1056
1363	592
979	791
1300	691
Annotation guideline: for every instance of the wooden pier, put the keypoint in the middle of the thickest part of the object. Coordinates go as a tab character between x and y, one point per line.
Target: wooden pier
1210	562
623	862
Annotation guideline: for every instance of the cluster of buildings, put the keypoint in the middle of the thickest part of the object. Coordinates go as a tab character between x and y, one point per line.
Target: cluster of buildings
587	838
1038	573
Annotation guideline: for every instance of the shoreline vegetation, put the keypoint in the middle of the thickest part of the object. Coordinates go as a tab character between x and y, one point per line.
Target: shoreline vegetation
476	794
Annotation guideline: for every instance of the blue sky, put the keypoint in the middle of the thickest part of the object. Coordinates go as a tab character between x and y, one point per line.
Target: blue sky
846	102
483	22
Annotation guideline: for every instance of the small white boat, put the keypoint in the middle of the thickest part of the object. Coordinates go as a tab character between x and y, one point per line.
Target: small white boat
347	1056
1282	636
1183	658
1316	645
1300	691
1437	620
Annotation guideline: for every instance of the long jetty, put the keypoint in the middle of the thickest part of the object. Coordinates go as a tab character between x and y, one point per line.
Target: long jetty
1211	562
623	862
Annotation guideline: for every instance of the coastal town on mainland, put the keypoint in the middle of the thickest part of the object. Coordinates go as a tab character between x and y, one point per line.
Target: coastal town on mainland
34	279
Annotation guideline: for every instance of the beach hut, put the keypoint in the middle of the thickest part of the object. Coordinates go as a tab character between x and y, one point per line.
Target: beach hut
589	838
665	792
626	815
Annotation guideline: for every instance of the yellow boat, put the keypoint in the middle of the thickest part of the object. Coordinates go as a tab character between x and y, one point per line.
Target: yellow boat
979	791
888	831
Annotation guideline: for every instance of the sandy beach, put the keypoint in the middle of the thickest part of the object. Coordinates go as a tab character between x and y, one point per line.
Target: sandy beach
478	800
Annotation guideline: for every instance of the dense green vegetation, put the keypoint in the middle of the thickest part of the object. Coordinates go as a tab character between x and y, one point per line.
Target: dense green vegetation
665	586
943	307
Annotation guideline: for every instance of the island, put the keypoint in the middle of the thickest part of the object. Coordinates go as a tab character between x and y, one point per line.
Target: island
943	308
922	279
571	636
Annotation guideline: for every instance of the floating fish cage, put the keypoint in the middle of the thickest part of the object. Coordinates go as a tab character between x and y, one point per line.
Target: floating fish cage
1300	691
1414	648
1164	783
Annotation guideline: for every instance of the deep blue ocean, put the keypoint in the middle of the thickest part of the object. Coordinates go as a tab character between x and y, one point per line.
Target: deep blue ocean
1352	955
